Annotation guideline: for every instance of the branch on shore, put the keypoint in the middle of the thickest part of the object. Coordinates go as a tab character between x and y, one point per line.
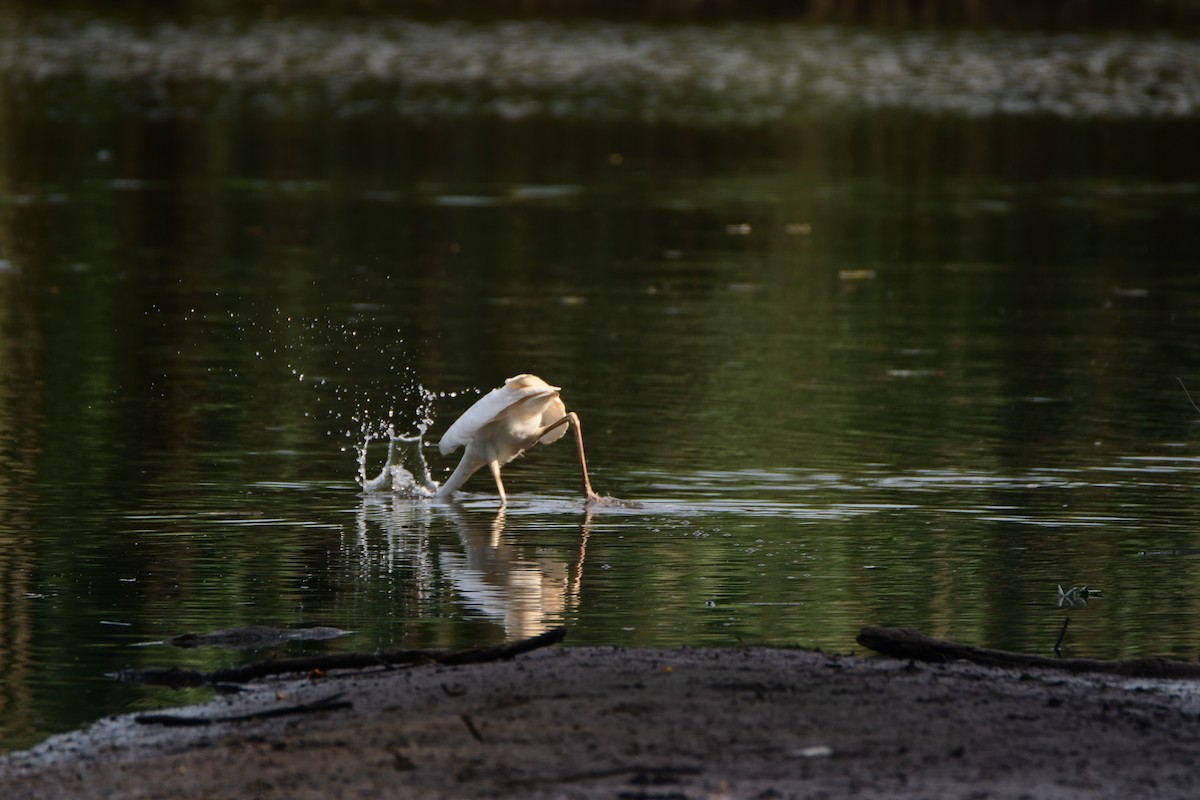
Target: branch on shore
177	678
331	703
905	643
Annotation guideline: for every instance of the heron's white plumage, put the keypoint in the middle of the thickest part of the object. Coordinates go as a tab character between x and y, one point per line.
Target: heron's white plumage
499	403
503	424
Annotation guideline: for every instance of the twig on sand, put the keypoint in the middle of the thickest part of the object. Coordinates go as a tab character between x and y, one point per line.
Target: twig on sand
642	774
478	655
331	703
904	643
471	727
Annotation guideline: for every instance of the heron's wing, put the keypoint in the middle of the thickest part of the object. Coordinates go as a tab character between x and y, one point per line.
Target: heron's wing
487	408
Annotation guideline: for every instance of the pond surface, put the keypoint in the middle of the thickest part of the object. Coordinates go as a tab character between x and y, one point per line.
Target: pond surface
876	329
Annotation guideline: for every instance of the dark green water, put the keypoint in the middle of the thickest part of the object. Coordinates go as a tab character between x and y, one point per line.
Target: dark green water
878	329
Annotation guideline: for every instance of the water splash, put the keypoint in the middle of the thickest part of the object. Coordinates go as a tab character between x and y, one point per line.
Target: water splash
362	385
405	472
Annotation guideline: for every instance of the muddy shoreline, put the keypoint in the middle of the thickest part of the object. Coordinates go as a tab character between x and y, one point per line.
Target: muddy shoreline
649	723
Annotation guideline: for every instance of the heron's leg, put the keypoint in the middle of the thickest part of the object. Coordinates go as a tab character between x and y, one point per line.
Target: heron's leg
573	417
587	483
495	465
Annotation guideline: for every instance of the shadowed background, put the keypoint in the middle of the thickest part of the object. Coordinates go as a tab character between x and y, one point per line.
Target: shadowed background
878	310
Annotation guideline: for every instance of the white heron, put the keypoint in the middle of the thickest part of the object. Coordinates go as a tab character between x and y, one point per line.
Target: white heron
505	423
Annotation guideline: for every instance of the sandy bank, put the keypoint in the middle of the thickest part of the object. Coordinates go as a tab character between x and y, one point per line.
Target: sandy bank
601	722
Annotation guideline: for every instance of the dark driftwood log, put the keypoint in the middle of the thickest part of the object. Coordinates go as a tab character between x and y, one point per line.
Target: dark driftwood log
303	664
904	643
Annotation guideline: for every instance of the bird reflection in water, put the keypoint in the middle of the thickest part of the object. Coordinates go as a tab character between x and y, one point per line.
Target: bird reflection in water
526	588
